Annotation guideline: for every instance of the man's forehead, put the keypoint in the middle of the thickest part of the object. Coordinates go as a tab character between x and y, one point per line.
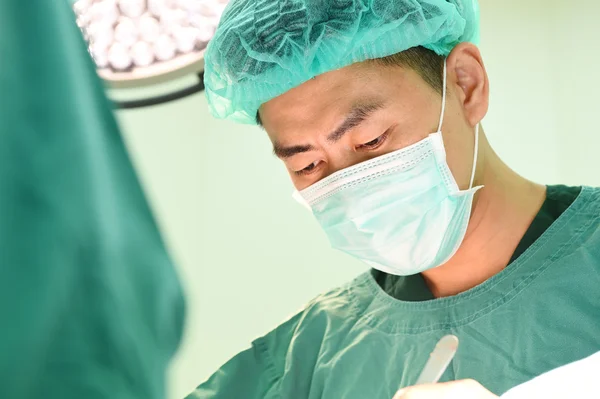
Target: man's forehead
335	85
327	99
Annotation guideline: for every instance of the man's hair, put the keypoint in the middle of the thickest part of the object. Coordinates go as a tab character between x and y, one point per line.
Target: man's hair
425	62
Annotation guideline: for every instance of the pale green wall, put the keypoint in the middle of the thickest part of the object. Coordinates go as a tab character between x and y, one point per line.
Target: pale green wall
575	33
249	256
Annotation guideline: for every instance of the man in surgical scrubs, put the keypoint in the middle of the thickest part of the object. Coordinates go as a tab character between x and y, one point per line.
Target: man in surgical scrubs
375	108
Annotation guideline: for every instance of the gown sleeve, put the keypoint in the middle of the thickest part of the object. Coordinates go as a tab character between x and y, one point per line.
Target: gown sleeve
257	372
249	375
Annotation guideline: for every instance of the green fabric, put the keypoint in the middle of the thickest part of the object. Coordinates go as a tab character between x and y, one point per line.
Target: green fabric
357	342
414	288
558	200
90	303
263	48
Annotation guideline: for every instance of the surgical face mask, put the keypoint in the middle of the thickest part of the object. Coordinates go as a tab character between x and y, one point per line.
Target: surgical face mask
401	213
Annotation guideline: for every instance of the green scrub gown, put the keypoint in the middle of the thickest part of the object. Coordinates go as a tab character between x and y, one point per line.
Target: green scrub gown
90	304
357	341
413	288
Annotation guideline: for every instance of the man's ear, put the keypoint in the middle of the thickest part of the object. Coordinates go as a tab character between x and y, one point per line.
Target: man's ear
467	72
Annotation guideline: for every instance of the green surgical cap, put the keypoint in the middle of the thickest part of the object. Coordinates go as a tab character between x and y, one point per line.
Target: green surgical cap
263	48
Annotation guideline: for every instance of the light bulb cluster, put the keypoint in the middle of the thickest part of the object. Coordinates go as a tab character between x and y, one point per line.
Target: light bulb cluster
127	34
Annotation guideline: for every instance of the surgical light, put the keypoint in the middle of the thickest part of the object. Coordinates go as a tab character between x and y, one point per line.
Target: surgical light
137	43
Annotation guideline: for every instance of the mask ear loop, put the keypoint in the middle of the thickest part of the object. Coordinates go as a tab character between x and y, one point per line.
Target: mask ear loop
476	151
443	98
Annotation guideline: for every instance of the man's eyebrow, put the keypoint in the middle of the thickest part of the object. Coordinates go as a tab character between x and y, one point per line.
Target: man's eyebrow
357	115
287	152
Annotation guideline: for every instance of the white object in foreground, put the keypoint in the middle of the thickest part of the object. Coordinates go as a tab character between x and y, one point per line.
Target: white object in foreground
440	358
578	380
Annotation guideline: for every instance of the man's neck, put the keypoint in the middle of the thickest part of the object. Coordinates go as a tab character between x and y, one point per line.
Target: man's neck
503	211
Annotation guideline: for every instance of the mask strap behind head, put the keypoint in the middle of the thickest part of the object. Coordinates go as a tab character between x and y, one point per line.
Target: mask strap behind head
476	150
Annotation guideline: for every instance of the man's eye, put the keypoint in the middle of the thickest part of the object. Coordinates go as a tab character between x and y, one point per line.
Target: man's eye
373	144
310	168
